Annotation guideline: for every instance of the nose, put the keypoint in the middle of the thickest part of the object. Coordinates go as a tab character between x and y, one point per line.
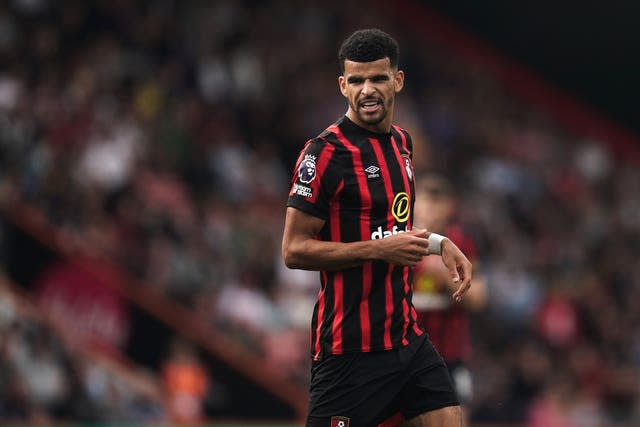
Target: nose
367	88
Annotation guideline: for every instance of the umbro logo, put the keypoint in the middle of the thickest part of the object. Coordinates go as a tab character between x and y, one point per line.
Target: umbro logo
372	171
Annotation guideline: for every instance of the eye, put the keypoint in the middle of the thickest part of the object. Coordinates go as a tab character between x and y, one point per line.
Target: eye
379	79
355	80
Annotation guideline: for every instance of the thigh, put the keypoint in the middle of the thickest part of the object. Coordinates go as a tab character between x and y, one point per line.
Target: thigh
450	416
429	387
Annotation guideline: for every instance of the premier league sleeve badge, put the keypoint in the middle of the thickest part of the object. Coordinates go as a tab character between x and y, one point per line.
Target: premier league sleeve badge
307	169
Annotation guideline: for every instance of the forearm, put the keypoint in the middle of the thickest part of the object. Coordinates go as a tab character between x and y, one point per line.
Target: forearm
311	254
301	249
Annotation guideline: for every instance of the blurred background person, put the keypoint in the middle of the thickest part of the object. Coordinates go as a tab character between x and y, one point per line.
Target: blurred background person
446	322
186	382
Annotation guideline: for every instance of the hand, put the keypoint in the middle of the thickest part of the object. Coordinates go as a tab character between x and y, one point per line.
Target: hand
459	268
404	248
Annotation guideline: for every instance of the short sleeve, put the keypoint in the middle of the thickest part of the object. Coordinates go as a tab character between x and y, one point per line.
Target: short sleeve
316	179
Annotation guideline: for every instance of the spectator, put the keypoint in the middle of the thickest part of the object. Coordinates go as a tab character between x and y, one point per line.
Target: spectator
186	384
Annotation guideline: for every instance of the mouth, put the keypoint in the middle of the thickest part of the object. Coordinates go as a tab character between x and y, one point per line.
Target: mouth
370	105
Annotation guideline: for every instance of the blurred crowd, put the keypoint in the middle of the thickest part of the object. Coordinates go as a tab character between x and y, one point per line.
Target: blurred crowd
164	132
44	379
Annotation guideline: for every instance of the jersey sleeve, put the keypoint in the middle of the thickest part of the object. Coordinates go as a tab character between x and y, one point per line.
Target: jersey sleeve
316	179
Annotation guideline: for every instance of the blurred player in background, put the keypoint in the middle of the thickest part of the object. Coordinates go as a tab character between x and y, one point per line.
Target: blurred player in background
447	323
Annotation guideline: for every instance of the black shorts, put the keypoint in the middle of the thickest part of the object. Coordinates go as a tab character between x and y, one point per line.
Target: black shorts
364	389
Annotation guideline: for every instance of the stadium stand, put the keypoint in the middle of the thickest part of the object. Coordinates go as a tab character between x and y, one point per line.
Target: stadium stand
153	140
48	375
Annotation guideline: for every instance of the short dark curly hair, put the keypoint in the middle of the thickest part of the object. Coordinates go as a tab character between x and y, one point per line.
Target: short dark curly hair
369	45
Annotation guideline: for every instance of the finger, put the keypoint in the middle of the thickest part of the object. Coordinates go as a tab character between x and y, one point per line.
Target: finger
413	258
453	271
421	250
466	282
462	289
466	270
419	244
421	241
420	232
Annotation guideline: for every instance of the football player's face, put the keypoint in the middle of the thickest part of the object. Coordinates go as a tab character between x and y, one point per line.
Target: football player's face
370	89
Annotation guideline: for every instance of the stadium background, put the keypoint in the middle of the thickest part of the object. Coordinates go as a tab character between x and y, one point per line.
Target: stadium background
145	154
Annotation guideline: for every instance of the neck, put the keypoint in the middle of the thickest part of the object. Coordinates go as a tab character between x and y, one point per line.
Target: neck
381	127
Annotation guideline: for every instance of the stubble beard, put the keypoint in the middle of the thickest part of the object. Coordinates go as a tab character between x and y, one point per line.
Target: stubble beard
374	119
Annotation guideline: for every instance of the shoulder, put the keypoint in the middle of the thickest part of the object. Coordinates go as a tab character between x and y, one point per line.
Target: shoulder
320	154
318	145
402	133
321	145
331	140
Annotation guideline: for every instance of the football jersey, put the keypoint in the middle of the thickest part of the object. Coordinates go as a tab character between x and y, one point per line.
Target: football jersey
362	184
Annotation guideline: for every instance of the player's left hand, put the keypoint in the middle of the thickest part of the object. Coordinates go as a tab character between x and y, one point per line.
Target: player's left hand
459	268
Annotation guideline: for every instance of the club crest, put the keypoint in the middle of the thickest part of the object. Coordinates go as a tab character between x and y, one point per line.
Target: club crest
408	167
340	421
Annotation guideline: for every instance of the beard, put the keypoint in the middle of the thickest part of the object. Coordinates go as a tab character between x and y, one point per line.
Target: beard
373	118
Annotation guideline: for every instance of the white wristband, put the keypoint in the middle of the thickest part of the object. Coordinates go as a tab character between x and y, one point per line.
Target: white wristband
435	244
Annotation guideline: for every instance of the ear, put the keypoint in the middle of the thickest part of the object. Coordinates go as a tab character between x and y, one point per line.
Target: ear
342	84
399	80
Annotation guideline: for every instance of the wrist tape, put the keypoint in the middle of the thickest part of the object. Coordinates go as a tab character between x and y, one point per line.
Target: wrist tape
435	244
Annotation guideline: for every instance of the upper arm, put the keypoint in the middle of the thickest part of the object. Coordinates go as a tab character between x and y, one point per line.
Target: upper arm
316	179
298	227
316	182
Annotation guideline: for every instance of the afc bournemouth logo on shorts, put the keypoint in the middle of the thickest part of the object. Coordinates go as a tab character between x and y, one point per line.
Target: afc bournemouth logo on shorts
339	422
307	169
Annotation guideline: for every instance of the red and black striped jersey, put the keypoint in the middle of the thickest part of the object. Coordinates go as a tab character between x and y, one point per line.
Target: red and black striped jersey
362	184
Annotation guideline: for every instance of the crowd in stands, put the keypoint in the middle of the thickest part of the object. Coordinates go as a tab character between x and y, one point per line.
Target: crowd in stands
164	133
43	379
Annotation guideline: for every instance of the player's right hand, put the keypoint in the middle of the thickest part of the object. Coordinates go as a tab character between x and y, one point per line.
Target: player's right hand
406	248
